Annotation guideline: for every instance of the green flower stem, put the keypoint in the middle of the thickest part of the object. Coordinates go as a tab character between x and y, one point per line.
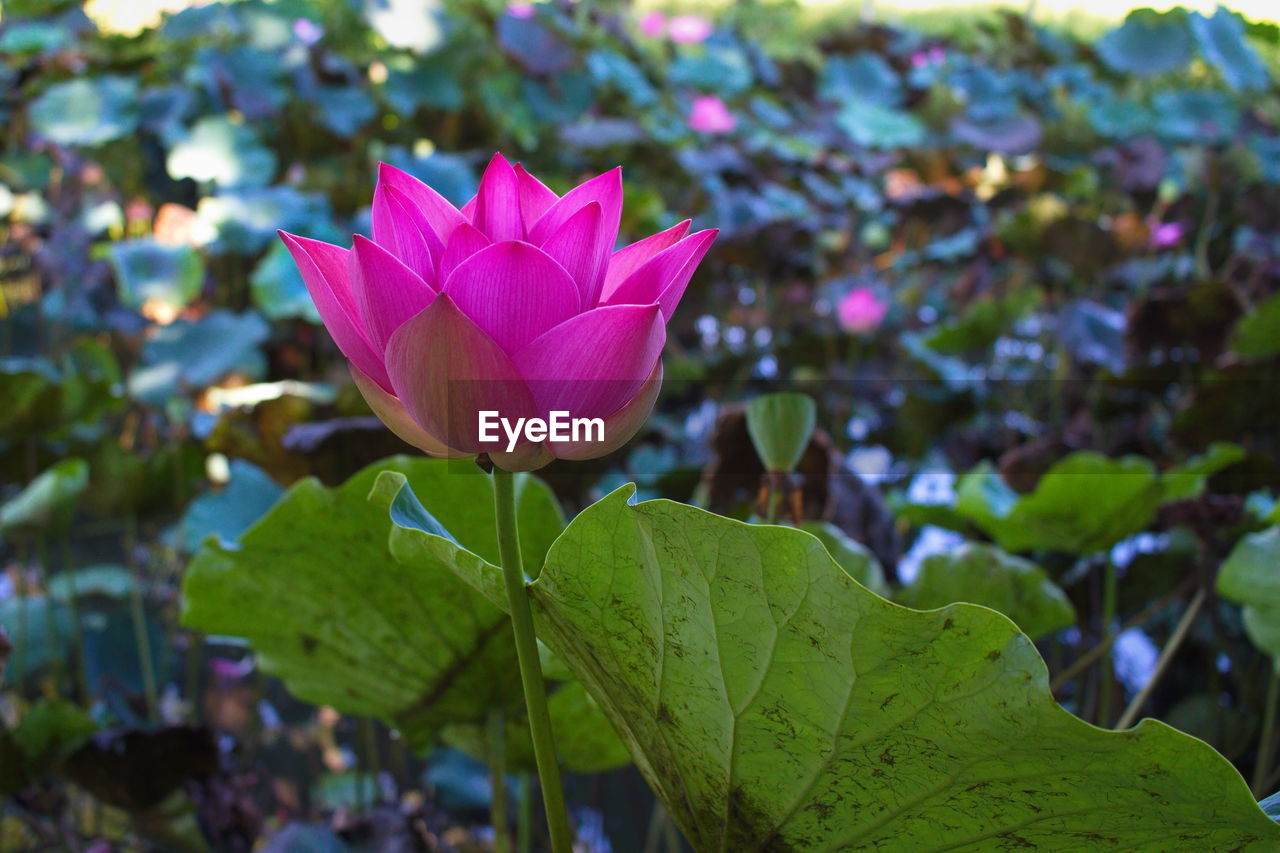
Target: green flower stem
1267	745
535	693
1130	715
138	615
1108	635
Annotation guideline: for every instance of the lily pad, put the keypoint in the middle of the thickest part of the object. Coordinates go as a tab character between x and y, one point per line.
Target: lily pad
87	111
982	574
146	270
314	590
874	126
1222	38
48	502
851	555
278	289
219	150
231	510
1083	504
1257	335
195	354
774	704
1147	43
1250	576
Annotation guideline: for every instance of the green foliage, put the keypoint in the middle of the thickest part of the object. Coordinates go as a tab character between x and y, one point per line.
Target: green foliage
772	702
1147	43
313	589
1084	503
1251	576
87	111
981	574
48	502
46	734
850	555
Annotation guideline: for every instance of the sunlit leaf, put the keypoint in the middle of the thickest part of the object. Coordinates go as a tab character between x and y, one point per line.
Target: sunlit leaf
147	270
774	704
314	590
1222	39
1251	576
87	111
982	574
221	151
1147	43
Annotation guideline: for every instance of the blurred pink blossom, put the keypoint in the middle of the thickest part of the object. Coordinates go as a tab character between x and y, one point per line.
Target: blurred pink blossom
520	9
710	115
653	25
861	311
307	31
932	55
689	29
1166	235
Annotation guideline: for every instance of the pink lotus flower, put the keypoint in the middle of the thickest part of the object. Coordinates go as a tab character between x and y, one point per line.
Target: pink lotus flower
861	311
689	29
710	115
1166	235
516	304
653	25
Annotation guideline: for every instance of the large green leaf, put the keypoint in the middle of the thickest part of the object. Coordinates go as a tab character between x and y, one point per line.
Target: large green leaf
1084	503
48	501
46	734
146	269
776	705
1251	576
1147	43
982	574
588	743
87	111
314	590
850	555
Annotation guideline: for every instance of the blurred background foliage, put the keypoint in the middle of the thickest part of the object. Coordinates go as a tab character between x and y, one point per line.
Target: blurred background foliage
1030	275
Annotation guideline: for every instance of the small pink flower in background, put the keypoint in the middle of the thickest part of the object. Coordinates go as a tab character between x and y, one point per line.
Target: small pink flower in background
520	9
307	31
515	303
653	25
710	115
861	311
1166	235
933	55
689	29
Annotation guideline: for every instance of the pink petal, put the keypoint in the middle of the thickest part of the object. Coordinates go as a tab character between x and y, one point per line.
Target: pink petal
324	270
401	228
593	364
445	370
465	242
664	277
620	427
605	189
628	259
535	198
396	417
576	247
386	291
497	211
442	216
514	292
